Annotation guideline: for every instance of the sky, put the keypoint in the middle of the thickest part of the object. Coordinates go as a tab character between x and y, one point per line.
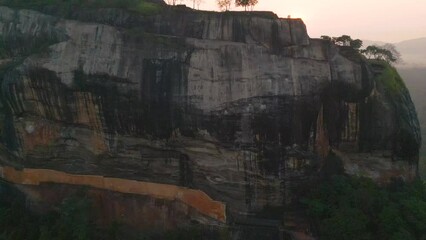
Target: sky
378	20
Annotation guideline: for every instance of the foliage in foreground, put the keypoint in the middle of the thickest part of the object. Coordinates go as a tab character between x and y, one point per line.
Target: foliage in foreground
140	6
347	208
70	222
74	219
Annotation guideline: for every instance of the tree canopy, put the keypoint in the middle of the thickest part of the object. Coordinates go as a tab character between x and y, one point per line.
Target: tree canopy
344	40
351	208
386	53
245	3
224	5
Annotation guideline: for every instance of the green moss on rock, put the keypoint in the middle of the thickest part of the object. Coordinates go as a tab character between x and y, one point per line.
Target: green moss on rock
390	79
391	85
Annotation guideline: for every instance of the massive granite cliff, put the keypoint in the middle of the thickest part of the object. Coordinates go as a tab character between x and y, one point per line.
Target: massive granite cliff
237	109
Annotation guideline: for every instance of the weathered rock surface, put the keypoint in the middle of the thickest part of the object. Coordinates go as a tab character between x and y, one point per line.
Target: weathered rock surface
243	107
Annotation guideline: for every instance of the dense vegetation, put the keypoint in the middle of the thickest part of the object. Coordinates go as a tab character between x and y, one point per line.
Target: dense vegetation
387	52
140	6
346	208
70	222
344	40
74	219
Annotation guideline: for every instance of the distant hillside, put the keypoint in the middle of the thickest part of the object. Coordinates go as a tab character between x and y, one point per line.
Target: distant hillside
413	52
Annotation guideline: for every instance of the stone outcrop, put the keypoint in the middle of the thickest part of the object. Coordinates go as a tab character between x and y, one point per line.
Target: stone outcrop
241	106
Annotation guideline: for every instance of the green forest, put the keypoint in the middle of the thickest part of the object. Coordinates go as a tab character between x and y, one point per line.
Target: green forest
73	219
340	208
344	207
140	6
351	208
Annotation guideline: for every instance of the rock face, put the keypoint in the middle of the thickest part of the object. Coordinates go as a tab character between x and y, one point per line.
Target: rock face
242	106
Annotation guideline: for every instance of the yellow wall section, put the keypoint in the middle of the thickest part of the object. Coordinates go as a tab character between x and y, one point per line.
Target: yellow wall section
193	198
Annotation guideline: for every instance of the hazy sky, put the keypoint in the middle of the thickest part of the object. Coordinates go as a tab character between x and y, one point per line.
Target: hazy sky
379	20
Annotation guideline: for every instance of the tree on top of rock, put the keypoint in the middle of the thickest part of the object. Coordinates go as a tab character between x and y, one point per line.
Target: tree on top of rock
224	5
346	40
246	3
325	37
386	53
356	44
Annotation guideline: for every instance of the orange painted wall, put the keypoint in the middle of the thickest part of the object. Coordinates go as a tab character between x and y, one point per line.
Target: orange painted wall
191	197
